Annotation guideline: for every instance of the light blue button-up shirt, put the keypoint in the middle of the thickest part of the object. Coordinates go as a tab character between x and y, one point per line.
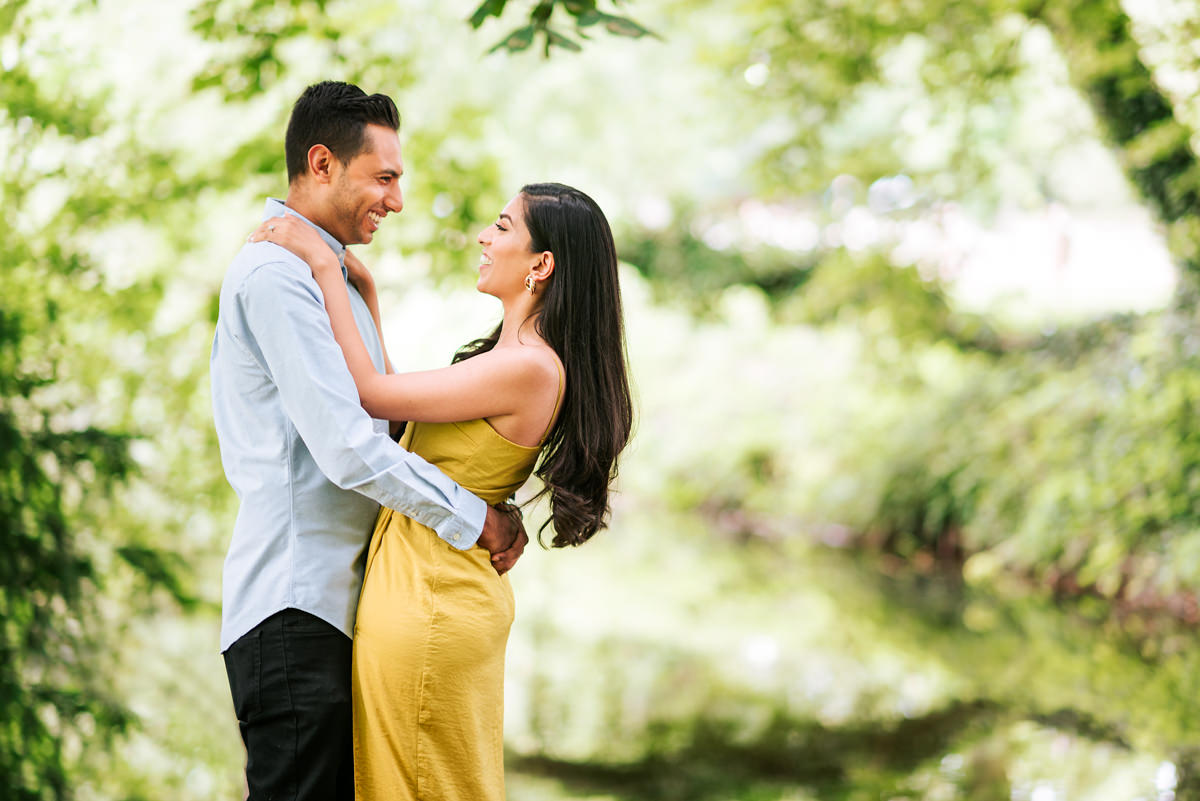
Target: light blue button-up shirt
309	466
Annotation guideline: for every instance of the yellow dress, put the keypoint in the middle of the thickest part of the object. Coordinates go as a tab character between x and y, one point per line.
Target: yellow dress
429	641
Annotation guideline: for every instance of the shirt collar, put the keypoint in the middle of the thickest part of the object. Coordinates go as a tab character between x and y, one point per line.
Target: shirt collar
276	208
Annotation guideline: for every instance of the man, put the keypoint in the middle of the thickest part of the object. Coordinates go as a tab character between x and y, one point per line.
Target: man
309	465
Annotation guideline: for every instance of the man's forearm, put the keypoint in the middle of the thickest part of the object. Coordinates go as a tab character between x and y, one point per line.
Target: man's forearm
316	390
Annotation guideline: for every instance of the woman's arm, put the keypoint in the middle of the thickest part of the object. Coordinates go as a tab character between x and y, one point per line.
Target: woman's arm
500	382
364	282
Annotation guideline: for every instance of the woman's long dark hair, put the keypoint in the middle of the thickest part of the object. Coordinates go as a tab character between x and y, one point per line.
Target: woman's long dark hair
581	319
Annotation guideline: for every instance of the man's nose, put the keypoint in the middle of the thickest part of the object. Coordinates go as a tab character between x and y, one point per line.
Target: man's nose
394	200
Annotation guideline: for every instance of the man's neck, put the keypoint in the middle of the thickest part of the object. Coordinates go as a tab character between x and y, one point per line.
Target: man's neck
302	202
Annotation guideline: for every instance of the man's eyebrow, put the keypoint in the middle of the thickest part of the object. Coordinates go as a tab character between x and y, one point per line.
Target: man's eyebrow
392	173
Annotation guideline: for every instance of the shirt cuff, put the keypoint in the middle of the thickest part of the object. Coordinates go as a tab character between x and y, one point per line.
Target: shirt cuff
463	530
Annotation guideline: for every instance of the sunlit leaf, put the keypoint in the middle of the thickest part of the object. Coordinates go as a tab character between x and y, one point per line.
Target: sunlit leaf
591	17
518	40
579	7
488	8
556	39
623	26
541	12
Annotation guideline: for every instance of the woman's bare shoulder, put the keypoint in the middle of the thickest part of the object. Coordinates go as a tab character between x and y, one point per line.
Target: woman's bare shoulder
529	362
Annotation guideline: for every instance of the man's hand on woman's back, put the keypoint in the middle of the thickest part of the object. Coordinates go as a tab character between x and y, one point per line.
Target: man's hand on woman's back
503	536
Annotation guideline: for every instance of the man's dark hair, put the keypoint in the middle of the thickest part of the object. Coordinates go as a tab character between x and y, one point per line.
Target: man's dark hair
334	114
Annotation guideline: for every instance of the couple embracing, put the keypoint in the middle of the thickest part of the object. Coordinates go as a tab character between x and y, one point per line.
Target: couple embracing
371	665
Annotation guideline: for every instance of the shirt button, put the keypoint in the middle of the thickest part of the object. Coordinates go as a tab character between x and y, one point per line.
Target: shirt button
454	537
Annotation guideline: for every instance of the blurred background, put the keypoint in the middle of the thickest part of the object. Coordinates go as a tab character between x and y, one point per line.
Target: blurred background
913	506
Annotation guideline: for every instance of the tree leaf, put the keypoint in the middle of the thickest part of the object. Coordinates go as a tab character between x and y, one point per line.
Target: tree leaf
577	8
488	8
518	40
556	39
624	26
541	12
589	18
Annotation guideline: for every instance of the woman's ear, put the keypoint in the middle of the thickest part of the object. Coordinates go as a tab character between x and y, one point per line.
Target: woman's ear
544	267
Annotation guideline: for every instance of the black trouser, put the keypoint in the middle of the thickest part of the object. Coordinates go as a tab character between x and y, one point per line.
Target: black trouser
290	679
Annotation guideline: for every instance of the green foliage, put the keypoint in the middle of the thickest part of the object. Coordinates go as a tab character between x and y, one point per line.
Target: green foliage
1137	116
461	184
46	691
815	68
255	36
254	32
951	95
74	359
1076	466
889	301
585	13
680	264
55	468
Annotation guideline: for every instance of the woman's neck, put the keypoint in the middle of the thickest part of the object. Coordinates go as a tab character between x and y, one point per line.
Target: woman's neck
518	326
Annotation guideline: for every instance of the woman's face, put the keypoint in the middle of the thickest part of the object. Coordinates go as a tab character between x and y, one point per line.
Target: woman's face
507	257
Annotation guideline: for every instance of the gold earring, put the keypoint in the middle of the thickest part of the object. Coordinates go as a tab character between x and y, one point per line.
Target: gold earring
530	284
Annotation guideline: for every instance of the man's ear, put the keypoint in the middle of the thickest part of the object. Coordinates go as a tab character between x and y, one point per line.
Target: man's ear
544	267
320	163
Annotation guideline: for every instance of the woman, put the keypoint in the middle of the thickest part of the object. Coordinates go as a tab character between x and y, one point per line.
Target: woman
550	381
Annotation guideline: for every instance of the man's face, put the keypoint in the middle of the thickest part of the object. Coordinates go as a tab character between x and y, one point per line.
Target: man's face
364	191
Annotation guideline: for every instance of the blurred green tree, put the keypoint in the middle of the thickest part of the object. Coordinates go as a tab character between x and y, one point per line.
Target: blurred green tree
1137	116
59	462
84	407
950	97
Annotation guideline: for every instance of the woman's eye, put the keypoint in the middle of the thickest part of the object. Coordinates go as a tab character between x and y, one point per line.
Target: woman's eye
501	227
